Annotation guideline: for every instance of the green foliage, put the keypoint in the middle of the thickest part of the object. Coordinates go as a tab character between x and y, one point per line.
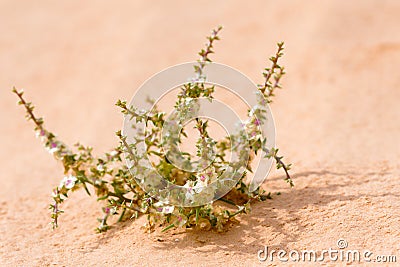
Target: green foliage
109	179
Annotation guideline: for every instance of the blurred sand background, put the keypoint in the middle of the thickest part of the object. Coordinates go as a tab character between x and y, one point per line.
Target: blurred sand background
337	121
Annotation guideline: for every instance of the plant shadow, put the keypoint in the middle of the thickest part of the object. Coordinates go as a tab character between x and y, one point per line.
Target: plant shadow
266	221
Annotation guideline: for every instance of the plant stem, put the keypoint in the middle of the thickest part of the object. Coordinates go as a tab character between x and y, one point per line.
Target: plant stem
28	108
228	201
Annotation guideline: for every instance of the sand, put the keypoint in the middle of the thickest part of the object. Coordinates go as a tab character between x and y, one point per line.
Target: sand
337	121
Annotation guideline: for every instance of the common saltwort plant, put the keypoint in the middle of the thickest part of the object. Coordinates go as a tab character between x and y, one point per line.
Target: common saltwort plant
109	178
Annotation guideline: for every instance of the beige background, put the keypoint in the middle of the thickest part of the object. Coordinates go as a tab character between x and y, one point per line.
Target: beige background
337	122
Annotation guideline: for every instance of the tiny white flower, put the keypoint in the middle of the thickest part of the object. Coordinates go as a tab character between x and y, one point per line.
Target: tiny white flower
113	153
53	147
160	207
53	150
100	167
168	209
189	194
41	134
68	181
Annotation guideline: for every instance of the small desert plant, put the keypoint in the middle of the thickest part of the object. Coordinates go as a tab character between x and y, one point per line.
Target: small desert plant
109	178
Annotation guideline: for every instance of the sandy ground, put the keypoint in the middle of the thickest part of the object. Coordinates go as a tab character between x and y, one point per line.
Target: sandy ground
337	122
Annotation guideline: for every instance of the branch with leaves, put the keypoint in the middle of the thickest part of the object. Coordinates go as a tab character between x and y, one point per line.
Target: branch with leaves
111	181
